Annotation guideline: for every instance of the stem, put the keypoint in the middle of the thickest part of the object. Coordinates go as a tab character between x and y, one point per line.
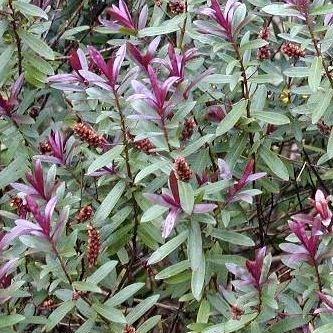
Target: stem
245	85
183	29
321	182
62	264
129	174
16	35
67	24
246	95
320	285
318	51
165	132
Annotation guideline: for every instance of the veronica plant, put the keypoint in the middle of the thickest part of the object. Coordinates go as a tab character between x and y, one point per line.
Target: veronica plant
165	166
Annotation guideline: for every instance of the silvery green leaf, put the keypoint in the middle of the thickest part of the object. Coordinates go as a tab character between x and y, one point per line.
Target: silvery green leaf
231	118
36	44
167	248
315	73
28	9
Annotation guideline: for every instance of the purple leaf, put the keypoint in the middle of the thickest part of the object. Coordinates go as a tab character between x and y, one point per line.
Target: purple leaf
170	222
120	55
156	199
224	169
6	268
143	17
204	208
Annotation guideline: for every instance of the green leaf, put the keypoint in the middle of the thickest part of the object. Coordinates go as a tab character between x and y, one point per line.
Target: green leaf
149	170
271	78
198	279
232	237
186	195
86	327
288	324
195	146
297	72
58	314
173	270
274	163
10	320
214	187
36	44
232	325
323	102
166	27
314	78
37	320
34	76
330	145
13	171
255	328
253	44
274	118
231	118
280	10
105	159
203	312
327	328
86	286
153	212
218	79
138	311
259	99
112	314
195	246
5	57
219	304
322	10
39	63
109	202
102	272
327	41
124	294
167	248
68	34
149	324
28	9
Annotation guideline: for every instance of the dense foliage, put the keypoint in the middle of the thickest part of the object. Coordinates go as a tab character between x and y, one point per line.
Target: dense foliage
166	166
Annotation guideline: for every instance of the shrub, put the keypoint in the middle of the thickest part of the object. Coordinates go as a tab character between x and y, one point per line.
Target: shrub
166	166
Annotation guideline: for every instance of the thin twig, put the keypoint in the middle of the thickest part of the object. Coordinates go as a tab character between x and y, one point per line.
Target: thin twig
16	35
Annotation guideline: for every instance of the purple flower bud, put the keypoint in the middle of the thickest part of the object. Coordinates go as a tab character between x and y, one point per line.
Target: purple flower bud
43	227
248	176
120	17
253	274
60	149
38	188
144	59
223	18
255	267
309	242
111	68
157	98
7	106
170	198
322	209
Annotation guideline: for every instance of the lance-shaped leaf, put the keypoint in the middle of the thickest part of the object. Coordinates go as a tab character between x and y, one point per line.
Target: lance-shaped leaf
315	73
167	248
231	118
